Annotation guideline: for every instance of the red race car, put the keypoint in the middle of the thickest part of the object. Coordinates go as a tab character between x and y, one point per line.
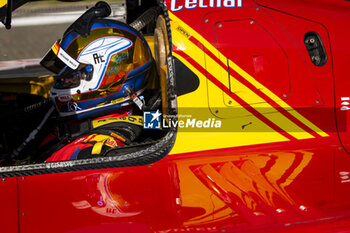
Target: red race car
182	116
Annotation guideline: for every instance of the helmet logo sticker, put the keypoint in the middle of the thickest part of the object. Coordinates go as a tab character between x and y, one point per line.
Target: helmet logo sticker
64	98
117	60
67	59
98	58
73	107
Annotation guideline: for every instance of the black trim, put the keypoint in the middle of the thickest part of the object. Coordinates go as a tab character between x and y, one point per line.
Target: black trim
84	23
315	48
186	80
8	14
152	154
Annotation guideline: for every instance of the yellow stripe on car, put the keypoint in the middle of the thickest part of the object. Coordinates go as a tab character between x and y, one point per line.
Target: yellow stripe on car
201	140
247	95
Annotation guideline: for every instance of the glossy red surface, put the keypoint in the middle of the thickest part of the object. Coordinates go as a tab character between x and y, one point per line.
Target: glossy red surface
334	17
289	77
298	186
241	189
9	205
262	57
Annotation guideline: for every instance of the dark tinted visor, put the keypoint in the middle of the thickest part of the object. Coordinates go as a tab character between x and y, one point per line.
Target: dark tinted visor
70	72
58	61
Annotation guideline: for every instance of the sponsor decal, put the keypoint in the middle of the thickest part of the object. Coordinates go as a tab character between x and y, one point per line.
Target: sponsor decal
111	143
178	5
117	100
345	102
344	176
183	31
64	98
137	120
73	107
65	57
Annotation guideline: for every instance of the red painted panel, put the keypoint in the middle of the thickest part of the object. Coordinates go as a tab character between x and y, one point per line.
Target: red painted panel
335	17
8	205
304	90
248	188
337	64
312	9
123	200
322	76
255	51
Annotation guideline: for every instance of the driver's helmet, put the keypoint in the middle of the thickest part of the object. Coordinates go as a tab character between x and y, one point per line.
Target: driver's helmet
94	72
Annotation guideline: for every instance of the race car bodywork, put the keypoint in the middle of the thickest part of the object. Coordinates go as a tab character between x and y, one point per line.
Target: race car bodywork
260	141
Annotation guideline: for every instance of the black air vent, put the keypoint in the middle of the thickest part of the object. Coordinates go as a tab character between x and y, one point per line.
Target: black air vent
315	48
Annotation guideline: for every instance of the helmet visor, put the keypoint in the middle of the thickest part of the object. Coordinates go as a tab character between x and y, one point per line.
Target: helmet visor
58	61
69	71
72	79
